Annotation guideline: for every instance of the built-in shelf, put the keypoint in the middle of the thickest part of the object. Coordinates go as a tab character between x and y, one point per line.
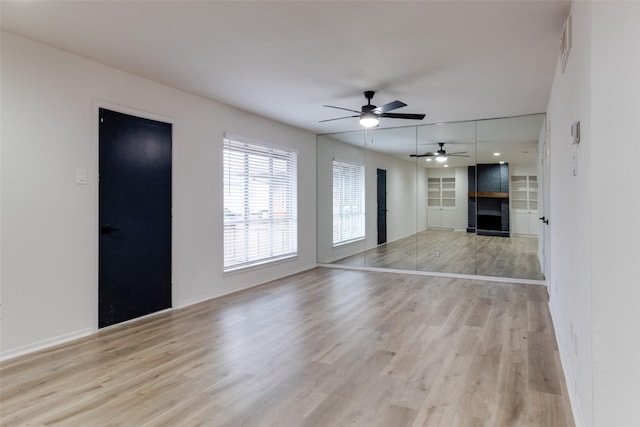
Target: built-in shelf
441	202
524	204
524	192
442	192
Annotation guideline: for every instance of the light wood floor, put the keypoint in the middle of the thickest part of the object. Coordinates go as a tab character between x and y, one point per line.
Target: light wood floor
459	252
327	347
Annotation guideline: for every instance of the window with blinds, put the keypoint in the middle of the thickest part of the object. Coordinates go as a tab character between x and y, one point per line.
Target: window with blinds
348	202
260	203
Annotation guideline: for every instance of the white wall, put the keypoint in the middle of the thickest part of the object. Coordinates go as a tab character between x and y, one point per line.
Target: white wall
406	210
329	149
49	224
594	266
522	169
569	278
405	214
462	199
615	114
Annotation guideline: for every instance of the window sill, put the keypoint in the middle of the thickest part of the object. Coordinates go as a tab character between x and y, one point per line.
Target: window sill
259	265
348	242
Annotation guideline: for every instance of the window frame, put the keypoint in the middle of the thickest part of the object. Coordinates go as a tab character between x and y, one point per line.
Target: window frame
361	214
254	151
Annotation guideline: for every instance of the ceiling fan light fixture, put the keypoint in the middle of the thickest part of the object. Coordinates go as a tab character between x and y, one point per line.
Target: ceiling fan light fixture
369	114
441	159
369	120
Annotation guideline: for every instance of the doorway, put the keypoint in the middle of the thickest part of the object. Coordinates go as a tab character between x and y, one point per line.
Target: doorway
134	244
382	206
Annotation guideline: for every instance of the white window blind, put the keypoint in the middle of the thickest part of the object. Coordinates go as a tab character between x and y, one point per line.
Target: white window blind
348	202
260	203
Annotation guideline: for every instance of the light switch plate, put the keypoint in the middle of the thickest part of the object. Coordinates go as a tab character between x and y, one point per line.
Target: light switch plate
81	176
575	133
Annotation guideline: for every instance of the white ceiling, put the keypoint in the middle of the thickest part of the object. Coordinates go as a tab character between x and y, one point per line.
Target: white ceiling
453	60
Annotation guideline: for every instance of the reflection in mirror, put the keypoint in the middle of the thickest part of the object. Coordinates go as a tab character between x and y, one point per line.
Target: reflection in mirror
447	150
341	197
436	197
390	211
507	195
395	210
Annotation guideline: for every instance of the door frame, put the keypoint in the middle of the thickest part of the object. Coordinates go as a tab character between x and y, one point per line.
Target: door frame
544	201
97	104
378	174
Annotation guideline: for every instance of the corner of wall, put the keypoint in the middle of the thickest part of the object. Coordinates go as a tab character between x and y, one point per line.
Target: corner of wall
570	204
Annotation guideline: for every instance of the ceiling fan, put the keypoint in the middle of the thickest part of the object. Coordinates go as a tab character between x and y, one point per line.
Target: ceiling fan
370	114
441	155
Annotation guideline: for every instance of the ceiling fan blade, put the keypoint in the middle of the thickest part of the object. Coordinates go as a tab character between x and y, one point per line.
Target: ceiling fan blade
403	116
458	152
337	118
388	107
345	109
422	155
457	155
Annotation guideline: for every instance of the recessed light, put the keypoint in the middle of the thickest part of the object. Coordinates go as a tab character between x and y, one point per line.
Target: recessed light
502	163
446	166
496	154
428	160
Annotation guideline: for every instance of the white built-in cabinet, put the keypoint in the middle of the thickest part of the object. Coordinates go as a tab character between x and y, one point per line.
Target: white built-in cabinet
441	202
524	204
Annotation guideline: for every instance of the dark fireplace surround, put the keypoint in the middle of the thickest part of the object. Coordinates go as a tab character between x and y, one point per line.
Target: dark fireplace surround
488	208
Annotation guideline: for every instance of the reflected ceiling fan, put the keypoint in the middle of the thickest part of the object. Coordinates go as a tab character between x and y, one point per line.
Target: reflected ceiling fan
370	114
441	155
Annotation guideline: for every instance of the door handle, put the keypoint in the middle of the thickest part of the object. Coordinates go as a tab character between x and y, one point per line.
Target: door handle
107	229
544	220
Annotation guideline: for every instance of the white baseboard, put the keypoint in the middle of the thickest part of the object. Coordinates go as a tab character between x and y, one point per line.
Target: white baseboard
248	285
576	409
437	274
213	295
41	345
61	339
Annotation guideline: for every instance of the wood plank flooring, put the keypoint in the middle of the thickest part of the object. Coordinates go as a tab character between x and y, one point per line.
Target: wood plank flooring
449	251
327	347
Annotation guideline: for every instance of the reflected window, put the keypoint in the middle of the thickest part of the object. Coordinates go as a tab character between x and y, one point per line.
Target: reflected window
348	202
260	203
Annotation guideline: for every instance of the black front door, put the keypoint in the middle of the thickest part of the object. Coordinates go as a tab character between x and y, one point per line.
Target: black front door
382	206
134	217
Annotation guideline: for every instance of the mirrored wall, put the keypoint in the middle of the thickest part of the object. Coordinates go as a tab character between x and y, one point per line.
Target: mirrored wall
450	197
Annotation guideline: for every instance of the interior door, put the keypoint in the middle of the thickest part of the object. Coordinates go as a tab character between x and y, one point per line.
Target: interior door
382	206
135	217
